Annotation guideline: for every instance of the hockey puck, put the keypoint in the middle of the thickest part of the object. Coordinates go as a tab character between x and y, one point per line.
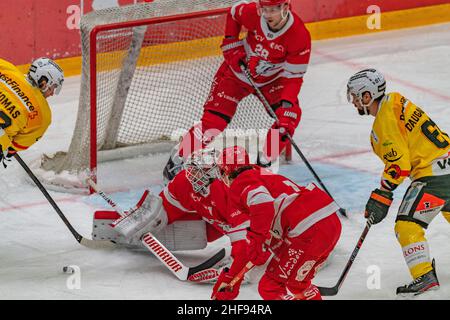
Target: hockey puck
68	269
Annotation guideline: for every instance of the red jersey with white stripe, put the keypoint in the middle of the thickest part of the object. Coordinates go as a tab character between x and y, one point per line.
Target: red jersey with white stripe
276	203
288	49
180	199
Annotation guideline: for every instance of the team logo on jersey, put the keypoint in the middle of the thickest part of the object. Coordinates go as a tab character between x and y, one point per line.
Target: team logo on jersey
391	156
394	171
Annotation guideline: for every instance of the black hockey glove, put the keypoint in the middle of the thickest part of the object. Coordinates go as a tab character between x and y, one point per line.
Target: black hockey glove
378	205
5	157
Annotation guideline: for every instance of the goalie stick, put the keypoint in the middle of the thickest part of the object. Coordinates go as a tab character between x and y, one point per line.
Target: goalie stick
291	140
334	290
200	273
94	244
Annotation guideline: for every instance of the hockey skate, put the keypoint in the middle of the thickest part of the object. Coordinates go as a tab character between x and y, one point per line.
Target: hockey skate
428	281
262	161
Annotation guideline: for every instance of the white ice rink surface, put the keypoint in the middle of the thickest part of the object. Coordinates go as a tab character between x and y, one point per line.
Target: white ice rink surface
35	243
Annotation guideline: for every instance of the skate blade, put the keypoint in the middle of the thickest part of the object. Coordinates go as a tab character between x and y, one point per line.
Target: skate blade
428	294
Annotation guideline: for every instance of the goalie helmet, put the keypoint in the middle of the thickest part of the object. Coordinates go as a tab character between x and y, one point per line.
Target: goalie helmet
201	170
45	70
231	159
369	80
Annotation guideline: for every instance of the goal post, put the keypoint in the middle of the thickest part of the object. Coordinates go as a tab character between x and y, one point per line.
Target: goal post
147	71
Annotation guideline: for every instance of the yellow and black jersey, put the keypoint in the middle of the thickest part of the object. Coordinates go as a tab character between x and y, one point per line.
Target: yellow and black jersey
408	142
24	112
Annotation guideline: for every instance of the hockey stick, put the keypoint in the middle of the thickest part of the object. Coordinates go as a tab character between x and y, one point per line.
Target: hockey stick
95	244
334	290
199	273
291	140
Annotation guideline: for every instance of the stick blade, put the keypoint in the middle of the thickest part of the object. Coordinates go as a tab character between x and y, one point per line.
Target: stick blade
326	292
97	244
208	263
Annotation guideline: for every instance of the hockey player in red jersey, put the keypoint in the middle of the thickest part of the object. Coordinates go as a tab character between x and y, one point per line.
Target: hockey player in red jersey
298	225
276	51
194	194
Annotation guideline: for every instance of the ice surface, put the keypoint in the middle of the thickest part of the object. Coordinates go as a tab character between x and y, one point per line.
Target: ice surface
36	245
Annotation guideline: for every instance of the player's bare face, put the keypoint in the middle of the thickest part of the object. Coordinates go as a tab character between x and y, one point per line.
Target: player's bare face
357	103
49	92
226	179
275	16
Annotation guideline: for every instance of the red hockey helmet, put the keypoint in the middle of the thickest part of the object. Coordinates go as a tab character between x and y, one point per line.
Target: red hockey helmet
232	158
268	3
269	7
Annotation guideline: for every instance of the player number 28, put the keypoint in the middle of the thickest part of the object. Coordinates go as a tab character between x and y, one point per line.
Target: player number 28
259	50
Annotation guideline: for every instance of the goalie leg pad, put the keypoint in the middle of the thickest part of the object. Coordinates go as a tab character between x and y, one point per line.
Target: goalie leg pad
184	235
101	228
180	235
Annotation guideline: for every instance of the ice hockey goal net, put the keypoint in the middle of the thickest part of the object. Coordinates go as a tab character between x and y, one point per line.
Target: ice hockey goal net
147	71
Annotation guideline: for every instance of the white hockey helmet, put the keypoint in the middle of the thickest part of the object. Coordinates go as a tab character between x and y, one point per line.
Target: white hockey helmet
201	169
368	80
45	69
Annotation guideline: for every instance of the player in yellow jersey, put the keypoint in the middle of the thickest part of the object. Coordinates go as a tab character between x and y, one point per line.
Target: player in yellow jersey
24	112
410	145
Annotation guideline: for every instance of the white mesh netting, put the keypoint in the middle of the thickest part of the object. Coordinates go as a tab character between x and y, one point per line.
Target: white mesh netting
152	80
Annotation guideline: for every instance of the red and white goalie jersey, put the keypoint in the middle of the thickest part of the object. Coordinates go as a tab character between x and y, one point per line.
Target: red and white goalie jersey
182	203
287	50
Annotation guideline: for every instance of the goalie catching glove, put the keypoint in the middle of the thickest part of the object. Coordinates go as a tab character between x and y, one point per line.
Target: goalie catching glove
377	206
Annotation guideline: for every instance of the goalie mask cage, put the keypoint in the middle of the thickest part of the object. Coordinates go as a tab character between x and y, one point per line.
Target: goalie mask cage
147	70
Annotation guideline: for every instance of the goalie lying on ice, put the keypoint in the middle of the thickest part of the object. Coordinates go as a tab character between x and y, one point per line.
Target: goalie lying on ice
187	214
